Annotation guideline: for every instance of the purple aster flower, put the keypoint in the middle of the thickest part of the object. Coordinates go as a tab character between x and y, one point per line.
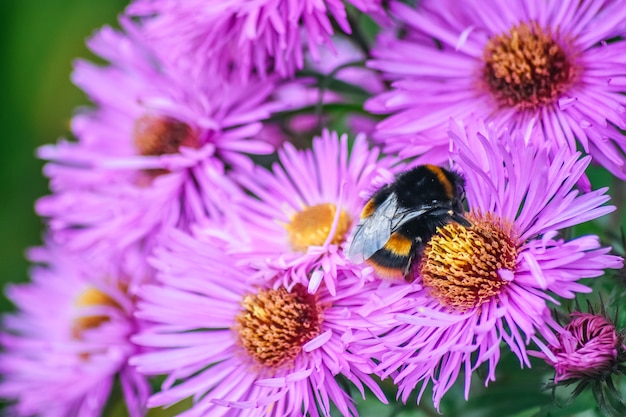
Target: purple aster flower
508	62
153	152
234	346
590	348
589	353
69	340
477	287
221	36
302	211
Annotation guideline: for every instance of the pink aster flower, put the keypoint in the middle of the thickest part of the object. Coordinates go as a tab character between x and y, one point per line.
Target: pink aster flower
153	152
233	346
69	340
478	287
264	35
591	348
509	62
302	211
590	352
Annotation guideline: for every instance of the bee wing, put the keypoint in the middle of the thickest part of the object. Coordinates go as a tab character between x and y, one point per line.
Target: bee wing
403	216
373	232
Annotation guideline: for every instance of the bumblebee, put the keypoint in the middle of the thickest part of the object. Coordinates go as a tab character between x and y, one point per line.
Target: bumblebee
400	218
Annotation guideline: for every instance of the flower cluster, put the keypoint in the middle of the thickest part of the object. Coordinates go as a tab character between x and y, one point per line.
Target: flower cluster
205	212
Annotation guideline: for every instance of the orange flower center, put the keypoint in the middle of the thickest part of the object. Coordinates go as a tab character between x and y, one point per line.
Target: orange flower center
90	298
526	67
275	324
460	266
311	226
160	135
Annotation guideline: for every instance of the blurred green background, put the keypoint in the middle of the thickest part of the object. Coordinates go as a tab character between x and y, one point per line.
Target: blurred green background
38	42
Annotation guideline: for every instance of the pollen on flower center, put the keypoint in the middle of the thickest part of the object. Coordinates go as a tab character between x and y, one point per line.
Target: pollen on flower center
159	135
460	266
276	323
311	226
526	68
91	297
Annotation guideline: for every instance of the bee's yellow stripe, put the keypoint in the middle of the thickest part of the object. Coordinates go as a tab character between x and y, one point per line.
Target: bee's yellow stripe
385	271
368	209
443	180
399	245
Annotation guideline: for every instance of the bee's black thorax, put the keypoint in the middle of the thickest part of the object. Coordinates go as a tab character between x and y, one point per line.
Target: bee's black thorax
426	184
423	227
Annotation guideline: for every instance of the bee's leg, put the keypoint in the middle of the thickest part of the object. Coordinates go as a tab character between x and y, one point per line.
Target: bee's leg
416	253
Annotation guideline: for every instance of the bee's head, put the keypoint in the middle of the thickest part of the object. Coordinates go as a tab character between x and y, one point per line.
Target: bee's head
430	184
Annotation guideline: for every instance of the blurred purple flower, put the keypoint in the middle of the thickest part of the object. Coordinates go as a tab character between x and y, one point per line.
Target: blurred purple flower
236	346
266	36
338	77
69	340
156	150
558	63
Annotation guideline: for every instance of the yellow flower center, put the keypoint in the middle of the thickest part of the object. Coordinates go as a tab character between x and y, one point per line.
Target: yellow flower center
461	266
275	324
311	226
90	298
526	67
